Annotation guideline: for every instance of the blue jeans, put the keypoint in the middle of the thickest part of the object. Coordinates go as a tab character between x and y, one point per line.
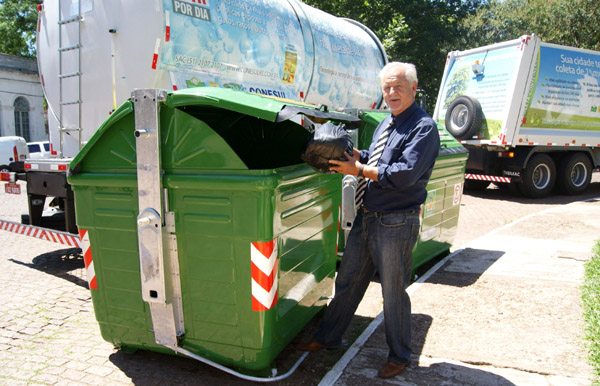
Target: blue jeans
378	243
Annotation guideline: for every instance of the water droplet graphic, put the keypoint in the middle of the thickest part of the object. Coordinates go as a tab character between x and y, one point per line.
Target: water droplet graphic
262	50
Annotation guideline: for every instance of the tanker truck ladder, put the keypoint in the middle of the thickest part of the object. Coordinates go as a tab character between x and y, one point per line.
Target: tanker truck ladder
70	51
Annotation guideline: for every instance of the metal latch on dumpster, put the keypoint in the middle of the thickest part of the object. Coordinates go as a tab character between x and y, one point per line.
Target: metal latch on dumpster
159	271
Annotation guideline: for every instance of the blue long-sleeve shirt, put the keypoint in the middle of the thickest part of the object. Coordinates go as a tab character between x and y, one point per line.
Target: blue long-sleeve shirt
406	163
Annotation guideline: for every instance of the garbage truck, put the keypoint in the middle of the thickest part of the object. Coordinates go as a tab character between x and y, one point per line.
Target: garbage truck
527	111
178	128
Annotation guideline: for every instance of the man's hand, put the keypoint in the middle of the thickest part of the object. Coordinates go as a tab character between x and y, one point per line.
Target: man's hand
351	166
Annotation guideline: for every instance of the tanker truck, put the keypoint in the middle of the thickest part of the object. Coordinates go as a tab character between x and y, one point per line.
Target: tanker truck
93	54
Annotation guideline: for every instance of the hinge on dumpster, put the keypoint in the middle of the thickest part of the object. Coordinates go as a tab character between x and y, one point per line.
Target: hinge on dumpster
159	271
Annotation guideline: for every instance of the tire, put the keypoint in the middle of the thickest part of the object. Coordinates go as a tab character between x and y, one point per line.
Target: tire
464	117
476	185
574	173
4	168
539	177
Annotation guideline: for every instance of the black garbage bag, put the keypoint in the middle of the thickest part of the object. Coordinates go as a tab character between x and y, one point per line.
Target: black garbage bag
326	143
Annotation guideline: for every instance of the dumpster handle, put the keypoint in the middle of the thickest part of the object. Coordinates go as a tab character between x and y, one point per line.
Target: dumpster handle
183	351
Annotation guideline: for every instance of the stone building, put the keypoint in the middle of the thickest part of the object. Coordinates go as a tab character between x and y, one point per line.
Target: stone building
21	99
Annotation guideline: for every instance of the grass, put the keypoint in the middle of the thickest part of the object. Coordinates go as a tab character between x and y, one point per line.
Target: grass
591	310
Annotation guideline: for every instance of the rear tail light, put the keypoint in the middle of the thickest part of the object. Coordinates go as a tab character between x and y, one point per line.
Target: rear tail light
15	153
7	176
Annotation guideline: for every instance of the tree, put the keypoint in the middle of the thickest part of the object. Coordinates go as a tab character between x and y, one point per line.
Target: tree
18	21
568	22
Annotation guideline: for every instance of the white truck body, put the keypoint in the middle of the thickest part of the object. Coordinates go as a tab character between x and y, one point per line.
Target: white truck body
105	49
530	98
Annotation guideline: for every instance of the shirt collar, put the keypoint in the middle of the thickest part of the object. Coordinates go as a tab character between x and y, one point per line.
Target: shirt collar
405	114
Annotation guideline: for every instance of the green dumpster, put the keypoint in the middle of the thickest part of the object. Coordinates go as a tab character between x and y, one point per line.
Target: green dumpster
207	231
439	215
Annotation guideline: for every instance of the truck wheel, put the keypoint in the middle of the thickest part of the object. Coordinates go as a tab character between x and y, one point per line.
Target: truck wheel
4	169
539	176
574	173
464	117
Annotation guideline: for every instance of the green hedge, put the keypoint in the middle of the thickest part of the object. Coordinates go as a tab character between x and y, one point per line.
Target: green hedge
591	306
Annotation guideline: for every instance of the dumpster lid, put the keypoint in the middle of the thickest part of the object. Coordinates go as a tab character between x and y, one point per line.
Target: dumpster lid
256	105
261	106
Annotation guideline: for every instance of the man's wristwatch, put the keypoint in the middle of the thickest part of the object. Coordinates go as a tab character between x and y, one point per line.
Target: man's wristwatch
360	171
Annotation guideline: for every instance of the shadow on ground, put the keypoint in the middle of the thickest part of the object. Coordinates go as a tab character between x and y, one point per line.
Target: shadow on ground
63	263
147	367
468	269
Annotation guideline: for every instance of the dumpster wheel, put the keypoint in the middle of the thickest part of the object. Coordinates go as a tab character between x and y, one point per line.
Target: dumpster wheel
274	378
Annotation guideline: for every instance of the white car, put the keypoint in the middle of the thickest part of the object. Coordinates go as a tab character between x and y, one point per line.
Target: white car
39	150
12	149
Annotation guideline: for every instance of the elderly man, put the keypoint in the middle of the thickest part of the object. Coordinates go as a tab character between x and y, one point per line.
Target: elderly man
393	175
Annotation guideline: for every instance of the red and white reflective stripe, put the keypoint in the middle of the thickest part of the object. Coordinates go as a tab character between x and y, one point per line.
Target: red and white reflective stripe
58	237
167	26
524	42
263	260
86	250
155	56
173	80
481	177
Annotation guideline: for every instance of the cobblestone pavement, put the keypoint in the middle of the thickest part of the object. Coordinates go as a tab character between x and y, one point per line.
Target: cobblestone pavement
49	335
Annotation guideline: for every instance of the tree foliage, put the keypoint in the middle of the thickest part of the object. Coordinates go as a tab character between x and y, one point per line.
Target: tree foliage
567	22
18	21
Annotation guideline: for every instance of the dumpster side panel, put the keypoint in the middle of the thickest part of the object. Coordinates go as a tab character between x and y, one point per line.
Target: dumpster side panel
439	217
109	216
306	224
215	231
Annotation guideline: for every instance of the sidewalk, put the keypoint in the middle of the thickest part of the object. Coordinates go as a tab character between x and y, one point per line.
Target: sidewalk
504	310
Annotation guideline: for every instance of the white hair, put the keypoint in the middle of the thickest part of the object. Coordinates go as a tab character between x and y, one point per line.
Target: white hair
410	71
